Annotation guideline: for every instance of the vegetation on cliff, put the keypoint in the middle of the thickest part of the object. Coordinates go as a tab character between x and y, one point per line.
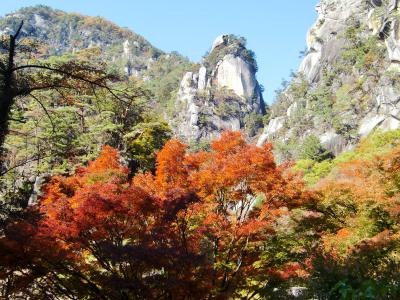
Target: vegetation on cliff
99	201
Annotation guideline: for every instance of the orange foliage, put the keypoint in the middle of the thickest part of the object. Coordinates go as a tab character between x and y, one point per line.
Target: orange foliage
191	230
363	192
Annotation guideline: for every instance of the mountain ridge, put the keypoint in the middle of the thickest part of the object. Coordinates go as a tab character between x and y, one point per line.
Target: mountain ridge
333	96
63	32
130	54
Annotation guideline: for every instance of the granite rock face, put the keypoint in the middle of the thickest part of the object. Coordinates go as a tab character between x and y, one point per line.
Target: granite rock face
236	74
323	39
351	77
221	95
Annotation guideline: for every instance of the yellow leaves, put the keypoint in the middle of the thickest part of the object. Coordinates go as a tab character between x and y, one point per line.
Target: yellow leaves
89	53
363	184
379	241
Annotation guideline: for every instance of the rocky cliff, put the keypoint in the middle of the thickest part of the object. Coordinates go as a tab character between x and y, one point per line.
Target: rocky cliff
348	83
222	94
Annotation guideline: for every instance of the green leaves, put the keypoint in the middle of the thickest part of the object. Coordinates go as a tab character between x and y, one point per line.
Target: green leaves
144	141
311	148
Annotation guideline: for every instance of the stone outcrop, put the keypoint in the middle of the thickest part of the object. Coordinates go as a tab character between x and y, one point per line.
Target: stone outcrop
272	128
323	39
217	42
236	74
362	94
216	98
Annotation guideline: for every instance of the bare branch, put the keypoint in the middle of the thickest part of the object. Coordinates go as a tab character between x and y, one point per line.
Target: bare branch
23	121
45	110
24	162
15	36
99	82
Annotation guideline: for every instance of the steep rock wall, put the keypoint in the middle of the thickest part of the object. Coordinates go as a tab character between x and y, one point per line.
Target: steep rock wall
348	82
219	96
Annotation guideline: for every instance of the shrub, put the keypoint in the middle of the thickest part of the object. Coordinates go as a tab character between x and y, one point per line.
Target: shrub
311	148
377	143
232	45
253	122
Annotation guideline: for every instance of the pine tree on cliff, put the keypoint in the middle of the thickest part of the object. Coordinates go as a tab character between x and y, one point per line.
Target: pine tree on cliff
22	80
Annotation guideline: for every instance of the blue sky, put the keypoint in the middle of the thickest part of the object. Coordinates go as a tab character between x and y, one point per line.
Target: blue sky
275	30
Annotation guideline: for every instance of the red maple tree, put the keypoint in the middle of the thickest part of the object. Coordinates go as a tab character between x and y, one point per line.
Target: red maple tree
195	229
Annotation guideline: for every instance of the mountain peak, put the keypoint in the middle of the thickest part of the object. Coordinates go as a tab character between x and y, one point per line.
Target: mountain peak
222	94
219	40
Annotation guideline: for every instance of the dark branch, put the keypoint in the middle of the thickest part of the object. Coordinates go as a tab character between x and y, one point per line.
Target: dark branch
15	36
24	162
45	110
99	82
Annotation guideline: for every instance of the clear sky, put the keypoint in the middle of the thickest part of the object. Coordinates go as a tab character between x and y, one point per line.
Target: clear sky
275	30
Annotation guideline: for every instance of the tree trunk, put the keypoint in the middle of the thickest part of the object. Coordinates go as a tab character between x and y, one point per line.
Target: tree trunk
7	97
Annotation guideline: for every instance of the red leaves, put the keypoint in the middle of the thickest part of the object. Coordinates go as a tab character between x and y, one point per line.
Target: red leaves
195	228
229	142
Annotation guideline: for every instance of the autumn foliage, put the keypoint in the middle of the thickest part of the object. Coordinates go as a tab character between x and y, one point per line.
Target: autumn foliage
223	224
195	229
360	235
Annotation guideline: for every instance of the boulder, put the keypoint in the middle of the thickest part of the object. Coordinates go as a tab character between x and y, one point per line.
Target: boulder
126	46
369	123
393	42
202	84
333	142
292	109
273	127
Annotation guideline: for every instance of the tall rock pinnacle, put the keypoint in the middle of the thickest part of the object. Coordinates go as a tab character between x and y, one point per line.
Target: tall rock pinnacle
222	94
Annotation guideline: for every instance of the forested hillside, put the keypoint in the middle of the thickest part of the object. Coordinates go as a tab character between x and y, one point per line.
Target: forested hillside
54	131
130	173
